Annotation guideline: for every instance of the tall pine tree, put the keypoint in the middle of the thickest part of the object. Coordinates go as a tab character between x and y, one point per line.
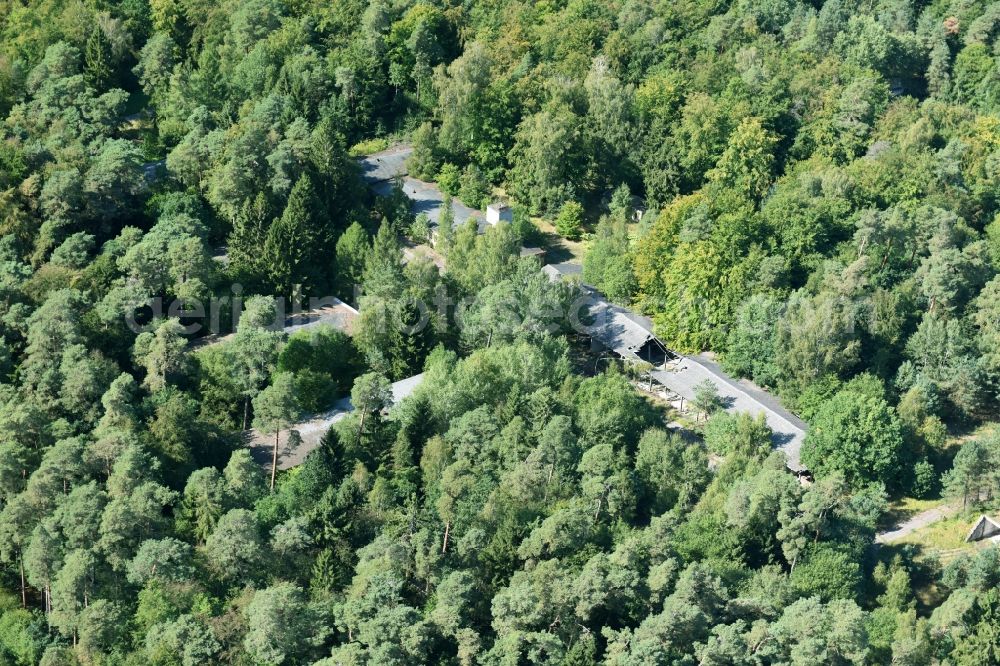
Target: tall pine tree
383	275
294	246
246	241
353	249
99	65
446	227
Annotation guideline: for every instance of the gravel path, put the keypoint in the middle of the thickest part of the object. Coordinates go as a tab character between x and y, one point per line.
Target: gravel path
916	522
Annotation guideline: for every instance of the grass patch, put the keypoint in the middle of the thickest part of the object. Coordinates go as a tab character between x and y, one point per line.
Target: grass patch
945	537
557	248
369	146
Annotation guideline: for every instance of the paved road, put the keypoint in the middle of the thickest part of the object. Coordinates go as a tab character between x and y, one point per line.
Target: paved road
379	170
312	430
916	522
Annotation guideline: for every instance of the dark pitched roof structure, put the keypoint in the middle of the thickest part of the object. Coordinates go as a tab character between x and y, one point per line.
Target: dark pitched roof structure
984	528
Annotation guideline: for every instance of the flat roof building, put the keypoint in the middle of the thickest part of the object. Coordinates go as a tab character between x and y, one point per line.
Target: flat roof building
499	212
630	336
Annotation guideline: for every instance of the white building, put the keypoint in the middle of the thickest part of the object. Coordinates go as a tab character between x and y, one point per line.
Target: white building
499	212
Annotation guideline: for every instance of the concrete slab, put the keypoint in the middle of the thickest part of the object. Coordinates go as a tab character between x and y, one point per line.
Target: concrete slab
386	164
337	314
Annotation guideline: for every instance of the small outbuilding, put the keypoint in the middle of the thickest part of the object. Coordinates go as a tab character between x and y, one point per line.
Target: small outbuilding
985	528
497	213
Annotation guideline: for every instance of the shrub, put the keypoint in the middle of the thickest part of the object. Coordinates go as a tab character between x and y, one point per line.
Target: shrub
449	178
569	222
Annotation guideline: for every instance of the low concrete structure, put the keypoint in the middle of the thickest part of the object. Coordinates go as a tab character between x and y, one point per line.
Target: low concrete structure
311	431
499	213
564	271
738	395
533	252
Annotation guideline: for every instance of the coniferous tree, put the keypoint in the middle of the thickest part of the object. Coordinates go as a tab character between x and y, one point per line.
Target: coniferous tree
245	245
446	227
293	250
99	67
276	408
352	252
383	274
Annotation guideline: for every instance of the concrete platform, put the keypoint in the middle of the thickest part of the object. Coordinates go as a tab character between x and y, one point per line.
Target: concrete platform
789	431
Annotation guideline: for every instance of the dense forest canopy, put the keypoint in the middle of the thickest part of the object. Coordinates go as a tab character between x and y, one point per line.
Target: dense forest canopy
811	190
